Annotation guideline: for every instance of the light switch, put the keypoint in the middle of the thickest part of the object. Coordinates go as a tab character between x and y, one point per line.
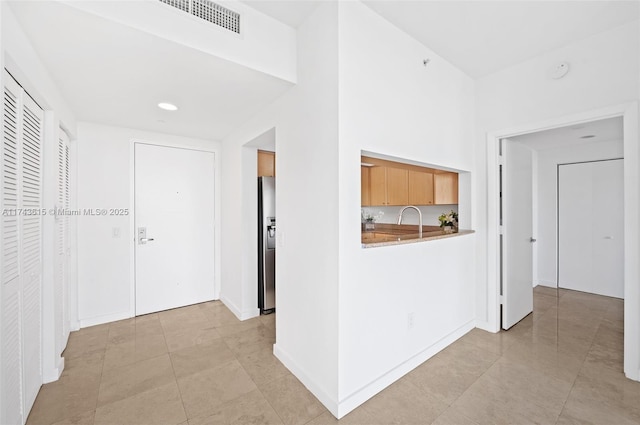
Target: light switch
115	232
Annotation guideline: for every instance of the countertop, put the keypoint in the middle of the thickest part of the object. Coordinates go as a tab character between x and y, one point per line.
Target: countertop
394	234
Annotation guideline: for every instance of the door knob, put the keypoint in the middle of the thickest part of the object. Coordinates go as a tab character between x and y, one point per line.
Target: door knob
532	240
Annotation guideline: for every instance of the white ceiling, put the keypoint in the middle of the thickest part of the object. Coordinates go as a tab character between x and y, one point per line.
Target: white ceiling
289	12
481	37
604	131
113	74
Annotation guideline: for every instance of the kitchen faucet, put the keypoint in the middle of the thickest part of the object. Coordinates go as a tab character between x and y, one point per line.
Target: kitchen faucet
419	218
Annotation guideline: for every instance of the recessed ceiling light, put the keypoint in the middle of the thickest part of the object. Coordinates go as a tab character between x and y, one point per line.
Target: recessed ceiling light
588	136
167	106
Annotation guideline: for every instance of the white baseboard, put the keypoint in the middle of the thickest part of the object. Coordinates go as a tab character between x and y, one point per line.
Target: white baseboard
355	399
99	320
54	374
485	326
241	315
633	377
548	283
320	394
350	402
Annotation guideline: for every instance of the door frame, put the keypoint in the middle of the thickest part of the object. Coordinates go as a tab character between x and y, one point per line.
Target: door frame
190	144
629	113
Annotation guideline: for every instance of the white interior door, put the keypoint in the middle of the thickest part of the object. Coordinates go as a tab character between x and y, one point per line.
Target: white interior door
590	227
517	237
174	203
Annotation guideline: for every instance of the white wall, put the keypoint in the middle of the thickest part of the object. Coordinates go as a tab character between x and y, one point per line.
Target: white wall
22	61
306	136
523	94
329	325
548	160
105	178
522	98
264	44
393	105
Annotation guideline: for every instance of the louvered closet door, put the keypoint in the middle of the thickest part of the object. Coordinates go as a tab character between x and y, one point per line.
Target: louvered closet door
62	241
21	303
11	328
31	197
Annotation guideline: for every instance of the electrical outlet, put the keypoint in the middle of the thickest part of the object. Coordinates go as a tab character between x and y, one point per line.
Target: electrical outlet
411	320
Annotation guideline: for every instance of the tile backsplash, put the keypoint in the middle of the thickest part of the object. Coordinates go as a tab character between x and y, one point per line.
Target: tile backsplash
430	214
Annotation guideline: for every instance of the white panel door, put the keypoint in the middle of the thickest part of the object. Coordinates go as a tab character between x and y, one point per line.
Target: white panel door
517	238
591	227
174	203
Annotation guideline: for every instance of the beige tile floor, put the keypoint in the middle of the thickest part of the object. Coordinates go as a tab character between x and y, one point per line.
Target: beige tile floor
198	365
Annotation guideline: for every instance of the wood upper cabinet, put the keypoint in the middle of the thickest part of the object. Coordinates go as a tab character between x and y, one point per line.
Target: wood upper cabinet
445	186
420	188
266	164
378	186
388	186
364	186
397	186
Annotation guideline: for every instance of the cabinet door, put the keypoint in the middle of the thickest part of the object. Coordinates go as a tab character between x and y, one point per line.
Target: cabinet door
364	186
397	186
445	188
378	186
420	188
266	164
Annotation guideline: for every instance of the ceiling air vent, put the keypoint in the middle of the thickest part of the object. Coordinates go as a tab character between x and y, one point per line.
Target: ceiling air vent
209	11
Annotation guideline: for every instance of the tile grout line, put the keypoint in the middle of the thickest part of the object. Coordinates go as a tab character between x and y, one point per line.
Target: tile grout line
470	385
573	384
184	409
214	327
224	340
501	356
104	357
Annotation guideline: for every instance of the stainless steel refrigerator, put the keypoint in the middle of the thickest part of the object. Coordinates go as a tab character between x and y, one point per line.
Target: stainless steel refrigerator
266	244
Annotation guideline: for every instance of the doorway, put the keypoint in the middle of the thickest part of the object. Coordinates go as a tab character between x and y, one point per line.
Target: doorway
629	115
174	222
258	159
563	186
